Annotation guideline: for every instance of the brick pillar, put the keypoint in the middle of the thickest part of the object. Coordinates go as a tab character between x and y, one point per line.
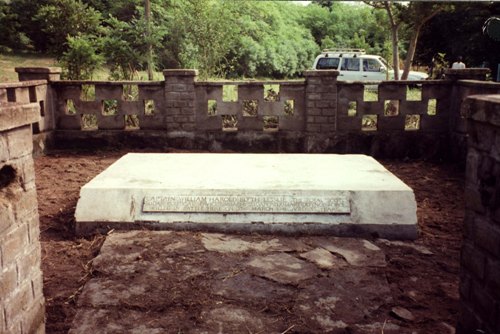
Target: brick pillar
321	108
180	100
480	256
21	299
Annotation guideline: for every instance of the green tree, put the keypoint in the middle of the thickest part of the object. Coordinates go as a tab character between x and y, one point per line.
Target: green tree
59	19
81	59
416	15
11	34
205	31
466	39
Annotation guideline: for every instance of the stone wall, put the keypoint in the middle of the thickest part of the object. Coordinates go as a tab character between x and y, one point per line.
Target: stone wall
397	119
21	298
34	87
480	257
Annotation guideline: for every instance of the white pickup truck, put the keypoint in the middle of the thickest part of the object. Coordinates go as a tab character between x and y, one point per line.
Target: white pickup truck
356	65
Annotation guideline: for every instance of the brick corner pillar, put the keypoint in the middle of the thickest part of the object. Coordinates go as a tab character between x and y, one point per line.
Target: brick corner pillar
22	305
480	254
46	96
180	98
321	108
38	73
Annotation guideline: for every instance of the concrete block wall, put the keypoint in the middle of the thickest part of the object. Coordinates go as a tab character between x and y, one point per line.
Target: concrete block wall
480	255
21	298
180	99
328	116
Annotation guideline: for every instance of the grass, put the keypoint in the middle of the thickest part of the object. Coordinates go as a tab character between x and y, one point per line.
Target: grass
10	61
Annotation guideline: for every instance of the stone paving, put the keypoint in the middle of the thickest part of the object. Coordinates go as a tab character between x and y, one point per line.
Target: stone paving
186	282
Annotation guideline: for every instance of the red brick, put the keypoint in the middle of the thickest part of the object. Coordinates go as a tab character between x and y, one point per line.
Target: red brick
2	320
12	245
34	318
4	152
28	266
26	205
15	327
468	321
37	286
493	277
19	142
18	303
465	286
473	260
8	282
473	199
487	236
6	214
34	229
483	303
25	169
3	95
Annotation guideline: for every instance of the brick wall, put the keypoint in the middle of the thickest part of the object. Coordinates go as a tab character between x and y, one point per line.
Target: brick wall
21	297
180	99
480	257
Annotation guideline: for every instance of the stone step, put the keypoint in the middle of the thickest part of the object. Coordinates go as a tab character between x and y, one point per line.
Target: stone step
187	282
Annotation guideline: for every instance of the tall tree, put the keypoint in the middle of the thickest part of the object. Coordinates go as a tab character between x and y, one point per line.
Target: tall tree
393	9
59	19
147	16
412	15
416	15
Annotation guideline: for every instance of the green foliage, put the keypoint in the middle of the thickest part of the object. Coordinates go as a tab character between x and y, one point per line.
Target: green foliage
234	38
11	35
81	59
58	19
125	44
207	31
466	39
438	65
347	25
271	41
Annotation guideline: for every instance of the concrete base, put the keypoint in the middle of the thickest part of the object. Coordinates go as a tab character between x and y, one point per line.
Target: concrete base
290	193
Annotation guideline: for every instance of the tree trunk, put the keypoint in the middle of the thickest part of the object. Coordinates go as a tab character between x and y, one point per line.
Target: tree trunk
395	51
413	44
147	14
411	53
395	39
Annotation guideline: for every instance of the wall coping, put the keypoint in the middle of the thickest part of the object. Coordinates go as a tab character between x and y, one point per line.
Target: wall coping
484	108
180	73
106	83
321	73
475	83
297	82
50	70
14	115
467	73
20	84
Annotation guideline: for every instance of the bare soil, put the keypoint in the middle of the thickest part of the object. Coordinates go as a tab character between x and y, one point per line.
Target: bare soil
422	280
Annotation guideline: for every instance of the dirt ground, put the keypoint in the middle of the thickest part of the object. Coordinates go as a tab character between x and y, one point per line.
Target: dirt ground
422	276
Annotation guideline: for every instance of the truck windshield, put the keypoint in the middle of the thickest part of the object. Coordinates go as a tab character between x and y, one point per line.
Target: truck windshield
386	64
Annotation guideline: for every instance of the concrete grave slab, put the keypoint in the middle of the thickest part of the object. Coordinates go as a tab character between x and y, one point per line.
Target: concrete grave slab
346	195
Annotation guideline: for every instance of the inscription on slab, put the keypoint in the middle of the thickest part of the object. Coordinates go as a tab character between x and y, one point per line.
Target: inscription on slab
247	204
